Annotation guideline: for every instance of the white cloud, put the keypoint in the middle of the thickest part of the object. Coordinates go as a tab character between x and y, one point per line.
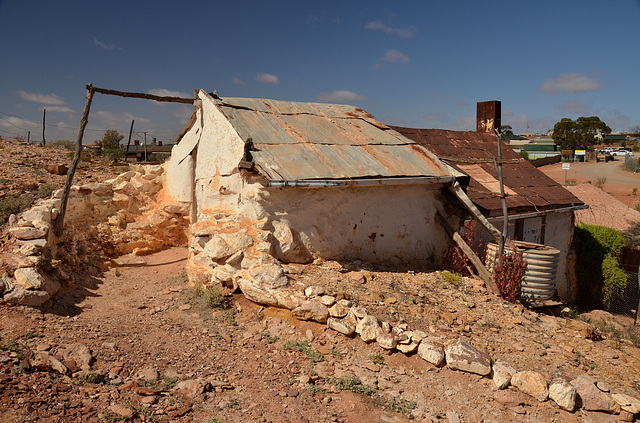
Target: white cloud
267	78
112	120
183	114
60	109
571	83
15	123
408	32
42	98
394	56
339	96
162	92
104	45
238	81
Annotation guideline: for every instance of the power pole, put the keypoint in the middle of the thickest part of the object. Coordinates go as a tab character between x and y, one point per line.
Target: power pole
129	141
44	116
146	159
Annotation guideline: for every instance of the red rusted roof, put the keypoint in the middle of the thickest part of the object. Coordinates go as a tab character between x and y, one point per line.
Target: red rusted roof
527	188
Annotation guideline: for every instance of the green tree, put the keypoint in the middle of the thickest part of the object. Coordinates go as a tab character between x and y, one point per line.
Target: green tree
110	144
505	132
579	134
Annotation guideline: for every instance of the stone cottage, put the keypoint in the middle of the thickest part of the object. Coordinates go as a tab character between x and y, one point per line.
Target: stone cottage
276	181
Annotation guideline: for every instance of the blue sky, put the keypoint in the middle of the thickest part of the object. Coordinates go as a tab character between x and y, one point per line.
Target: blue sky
422	64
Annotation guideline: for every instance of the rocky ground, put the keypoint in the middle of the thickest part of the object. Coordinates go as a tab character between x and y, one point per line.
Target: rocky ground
137	343
134	342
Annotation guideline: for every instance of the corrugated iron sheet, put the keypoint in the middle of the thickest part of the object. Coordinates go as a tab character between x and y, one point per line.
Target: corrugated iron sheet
299	141
526	186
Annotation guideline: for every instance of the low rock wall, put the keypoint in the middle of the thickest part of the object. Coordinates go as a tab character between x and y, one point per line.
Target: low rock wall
124	215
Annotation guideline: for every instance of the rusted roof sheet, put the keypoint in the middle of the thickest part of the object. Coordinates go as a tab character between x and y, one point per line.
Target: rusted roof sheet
298	141
527	188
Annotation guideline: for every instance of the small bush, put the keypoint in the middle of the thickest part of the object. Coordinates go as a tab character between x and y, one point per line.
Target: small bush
597	266
62	144
352	384
461	263
13	205
600	182
508	275
452	277
44	191
524	155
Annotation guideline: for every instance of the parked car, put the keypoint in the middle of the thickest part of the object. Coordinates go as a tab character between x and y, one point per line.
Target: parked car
621	152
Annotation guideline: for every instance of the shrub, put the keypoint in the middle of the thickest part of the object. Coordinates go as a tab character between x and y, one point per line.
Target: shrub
509	273
597	266
13	205
44	191
62	145
524	155
461	263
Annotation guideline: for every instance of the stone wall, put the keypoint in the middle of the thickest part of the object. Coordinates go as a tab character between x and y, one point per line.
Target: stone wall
129	214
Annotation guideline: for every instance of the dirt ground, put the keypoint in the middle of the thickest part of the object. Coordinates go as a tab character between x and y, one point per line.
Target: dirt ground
262	365
139	344
615	180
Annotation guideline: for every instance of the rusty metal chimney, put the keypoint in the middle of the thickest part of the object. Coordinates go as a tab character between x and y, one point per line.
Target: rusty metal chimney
488	116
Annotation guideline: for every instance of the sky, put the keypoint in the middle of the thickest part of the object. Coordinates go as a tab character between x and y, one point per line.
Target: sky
422	64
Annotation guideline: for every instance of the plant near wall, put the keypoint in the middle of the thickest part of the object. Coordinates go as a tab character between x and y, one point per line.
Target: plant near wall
509	273
597	263
460	262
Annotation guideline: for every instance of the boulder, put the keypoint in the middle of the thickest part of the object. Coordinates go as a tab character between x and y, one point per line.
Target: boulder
531	383
502	373
368	328
312	310
431	351
46	363
593	399
79	353
341	325
627	403
21	296
461	355
564	394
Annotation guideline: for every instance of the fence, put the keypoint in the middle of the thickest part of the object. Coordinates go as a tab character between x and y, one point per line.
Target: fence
631	163
626	302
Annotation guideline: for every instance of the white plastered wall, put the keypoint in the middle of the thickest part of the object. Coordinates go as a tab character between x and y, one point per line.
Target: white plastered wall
558	234
387	224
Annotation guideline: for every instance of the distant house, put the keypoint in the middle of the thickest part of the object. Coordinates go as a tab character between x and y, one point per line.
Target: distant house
306	180
539	209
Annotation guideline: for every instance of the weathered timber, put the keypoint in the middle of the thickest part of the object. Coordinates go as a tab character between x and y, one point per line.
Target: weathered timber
503	199
166	99
484	274
57	227
457	190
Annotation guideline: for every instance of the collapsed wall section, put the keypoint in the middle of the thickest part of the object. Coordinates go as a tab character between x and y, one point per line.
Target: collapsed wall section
130	214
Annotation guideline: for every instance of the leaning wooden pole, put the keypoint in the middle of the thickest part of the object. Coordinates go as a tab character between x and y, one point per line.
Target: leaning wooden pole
57	229
503	199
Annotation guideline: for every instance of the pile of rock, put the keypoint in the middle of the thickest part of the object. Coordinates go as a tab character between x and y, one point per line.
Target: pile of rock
120	216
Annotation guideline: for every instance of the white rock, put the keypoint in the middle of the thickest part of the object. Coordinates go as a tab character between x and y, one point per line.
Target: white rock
368	328
532	383
564	394
502	373
432	351
461	355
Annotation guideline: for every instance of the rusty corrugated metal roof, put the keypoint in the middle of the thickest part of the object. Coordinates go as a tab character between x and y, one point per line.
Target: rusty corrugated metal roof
301	141
527	187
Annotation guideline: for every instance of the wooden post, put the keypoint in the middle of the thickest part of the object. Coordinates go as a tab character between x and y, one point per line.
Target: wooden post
44	117
503	199
58	224
28	137
468	251
129	141
468	204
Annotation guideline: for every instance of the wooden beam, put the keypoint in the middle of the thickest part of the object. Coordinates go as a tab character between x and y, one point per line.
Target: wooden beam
57	226
166	99
468	204
478	161
484	274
